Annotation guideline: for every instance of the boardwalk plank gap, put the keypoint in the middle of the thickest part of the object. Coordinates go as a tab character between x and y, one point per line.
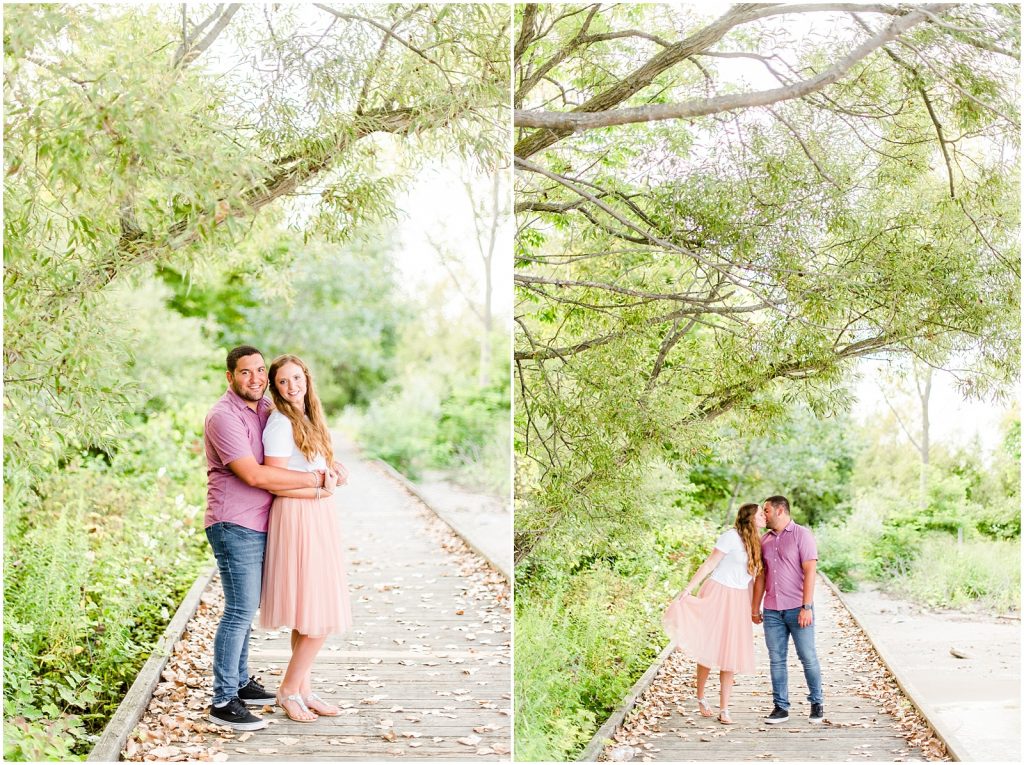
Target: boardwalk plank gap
425	672
866	716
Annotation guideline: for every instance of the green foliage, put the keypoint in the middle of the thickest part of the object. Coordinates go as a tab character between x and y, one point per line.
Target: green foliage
94	569
338	309
588	609
974	574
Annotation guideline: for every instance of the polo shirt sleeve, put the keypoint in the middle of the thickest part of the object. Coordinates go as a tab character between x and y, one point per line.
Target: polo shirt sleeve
807	547
277	437
228	436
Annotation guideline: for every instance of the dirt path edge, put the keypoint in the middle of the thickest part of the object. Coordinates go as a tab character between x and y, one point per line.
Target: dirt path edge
954	747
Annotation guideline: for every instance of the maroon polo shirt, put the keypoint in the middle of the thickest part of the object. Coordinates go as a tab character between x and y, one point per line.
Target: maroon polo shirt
233	431
783	554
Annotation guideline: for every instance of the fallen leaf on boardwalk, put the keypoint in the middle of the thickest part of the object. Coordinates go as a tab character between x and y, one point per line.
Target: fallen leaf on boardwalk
245	737
469	740
376	660
388	735
288	740
485	750
501	748
267	751
437	739
411	734
164	752
485	728
414	744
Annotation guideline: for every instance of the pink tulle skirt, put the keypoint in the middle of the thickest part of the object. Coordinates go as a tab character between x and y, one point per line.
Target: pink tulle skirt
304	581
714	628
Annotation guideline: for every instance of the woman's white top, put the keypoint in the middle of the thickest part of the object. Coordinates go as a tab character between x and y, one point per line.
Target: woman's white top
731	570
278	441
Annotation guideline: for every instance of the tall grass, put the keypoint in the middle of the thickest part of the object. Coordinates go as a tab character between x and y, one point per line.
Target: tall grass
978	573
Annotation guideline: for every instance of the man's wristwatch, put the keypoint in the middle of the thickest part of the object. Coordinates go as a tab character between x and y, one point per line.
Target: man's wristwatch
807	606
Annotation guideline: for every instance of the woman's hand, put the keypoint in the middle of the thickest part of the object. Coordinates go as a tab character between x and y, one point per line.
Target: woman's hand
330	480
342	472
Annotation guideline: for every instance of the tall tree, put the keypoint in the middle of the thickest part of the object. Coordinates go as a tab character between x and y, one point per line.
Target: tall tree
716	216
139	136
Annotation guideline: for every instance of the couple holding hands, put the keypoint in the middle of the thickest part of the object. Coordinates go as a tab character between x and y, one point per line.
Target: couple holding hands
715	628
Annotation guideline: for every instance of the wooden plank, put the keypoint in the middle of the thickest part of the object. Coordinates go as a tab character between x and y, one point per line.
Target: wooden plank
957	751
666	725
133	705
431	640
452	523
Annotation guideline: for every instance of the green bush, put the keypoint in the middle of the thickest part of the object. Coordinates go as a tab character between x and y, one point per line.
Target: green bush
93	572
982	573
893	552
589	624
839	554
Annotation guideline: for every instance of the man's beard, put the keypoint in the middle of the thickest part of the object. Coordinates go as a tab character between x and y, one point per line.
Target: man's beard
246	394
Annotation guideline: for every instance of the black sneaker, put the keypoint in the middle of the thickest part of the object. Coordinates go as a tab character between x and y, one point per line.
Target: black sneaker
234	715
817	713
254	693
778	715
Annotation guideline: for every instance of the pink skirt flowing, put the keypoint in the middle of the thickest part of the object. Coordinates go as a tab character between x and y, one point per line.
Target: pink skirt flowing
304	581
714	628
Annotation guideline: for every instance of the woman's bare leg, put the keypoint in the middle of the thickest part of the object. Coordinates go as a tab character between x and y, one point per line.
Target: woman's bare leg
726	679
702	682
304	651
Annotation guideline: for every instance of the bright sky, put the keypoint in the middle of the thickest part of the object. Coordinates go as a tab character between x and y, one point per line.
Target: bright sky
954	420
437	207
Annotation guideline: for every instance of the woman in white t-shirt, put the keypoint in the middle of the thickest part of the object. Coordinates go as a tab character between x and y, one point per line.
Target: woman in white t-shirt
715	628
304	582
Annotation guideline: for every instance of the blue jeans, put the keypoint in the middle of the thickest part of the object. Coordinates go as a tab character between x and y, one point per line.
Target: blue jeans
778	626
239	553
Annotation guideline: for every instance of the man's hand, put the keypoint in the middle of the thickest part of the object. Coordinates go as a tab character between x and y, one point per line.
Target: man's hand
342	472
805	618
756	617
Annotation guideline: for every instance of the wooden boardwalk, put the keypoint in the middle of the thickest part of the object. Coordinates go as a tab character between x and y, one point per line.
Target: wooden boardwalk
424	672
666	726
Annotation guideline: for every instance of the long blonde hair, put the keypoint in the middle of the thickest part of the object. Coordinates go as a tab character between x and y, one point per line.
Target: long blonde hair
747	528
309	429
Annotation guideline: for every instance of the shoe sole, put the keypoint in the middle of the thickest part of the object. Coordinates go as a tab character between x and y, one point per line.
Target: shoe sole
776	721
815	720
258	725
264	700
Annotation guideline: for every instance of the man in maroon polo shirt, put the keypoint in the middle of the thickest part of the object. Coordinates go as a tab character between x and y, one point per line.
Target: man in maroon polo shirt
238	503
790	557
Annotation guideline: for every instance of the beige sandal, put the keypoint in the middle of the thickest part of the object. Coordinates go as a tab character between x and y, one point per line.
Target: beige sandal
296	699
704	707
723	716
318	706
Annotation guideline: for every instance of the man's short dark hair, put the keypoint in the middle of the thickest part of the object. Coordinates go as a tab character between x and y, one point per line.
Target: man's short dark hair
778	501
236	353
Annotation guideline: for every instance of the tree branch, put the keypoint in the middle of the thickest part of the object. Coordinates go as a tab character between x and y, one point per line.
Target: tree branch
585	119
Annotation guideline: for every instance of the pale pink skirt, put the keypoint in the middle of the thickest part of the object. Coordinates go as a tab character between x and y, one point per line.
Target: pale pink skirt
304	581
714	629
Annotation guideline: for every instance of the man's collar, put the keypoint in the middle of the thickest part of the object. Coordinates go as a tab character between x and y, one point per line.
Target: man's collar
240	403
789	527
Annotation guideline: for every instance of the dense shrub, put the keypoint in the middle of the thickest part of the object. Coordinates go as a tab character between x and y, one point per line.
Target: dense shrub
102	558
976	573
584	635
